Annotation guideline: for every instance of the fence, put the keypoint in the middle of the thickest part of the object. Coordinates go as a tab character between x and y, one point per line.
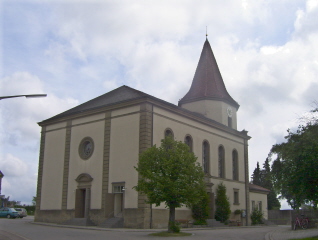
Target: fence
287	217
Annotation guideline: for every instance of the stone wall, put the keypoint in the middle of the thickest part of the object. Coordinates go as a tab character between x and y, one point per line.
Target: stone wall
287	217
280	217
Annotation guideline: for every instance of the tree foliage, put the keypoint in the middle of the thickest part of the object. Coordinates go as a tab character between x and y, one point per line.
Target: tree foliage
257	175
262	177
223	210
294	170
170	174
34	201
200	210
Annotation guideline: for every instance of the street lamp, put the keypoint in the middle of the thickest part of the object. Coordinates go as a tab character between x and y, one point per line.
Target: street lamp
27	96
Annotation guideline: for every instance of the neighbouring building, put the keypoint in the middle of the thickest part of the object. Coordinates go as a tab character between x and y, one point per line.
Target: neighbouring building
258	198
88	153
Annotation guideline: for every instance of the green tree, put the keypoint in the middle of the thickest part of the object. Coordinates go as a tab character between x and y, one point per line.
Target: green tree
34	201
257	175
223	210
170	174
272	200
294	171
262	177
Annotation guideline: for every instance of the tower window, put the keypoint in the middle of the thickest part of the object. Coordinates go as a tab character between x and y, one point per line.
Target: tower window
229	120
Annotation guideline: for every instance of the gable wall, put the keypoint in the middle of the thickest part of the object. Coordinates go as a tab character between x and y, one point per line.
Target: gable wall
259	197
92	126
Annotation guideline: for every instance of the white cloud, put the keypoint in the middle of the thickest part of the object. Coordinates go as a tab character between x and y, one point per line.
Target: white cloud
20	133
12	166
20	115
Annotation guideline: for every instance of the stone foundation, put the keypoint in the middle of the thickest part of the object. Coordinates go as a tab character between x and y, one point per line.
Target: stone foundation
142	218
53	216
155	218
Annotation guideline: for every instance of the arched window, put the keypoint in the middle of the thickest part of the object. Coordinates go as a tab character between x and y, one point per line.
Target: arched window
188	141
221	162
206	157
168	133
235	164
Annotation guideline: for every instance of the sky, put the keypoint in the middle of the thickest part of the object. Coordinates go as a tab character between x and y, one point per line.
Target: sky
73	51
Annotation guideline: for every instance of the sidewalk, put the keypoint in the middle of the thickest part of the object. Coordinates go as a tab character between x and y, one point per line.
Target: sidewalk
285	233
282	232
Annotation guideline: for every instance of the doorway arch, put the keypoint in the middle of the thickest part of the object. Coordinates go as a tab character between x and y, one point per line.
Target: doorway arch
83	195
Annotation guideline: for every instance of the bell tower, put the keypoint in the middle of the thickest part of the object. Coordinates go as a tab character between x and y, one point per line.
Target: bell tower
208	95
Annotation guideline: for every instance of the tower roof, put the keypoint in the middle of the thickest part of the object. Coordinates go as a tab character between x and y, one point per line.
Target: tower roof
207	81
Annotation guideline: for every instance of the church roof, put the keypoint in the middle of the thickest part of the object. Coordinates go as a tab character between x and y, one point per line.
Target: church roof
207	82
125	94
121	94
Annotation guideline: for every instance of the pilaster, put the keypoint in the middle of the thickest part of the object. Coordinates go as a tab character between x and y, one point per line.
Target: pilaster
107	198
145	142
66	163
40	170
247	191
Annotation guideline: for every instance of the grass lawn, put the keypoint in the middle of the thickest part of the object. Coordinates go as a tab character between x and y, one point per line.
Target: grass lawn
309	238
167	234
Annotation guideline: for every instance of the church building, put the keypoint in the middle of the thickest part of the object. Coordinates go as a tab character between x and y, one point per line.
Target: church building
88	153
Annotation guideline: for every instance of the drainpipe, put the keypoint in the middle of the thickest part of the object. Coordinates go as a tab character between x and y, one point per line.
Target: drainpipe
150	216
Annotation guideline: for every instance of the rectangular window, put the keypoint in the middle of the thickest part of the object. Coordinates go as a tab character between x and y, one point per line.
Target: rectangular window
236	197
253	205
260	206
118	187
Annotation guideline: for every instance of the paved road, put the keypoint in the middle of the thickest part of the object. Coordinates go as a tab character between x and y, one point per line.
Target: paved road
25	229
285	233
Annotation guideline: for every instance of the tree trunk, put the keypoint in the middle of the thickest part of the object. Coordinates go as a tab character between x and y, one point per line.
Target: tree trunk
172	216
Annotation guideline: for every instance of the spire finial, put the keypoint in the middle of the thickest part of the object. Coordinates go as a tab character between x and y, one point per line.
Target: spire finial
206	32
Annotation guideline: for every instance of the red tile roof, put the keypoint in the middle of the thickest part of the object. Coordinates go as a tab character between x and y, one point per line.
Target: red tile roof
256	188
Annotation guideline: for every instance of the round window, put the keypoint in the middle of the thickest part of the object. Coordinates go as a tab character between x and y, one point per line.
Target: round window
86	148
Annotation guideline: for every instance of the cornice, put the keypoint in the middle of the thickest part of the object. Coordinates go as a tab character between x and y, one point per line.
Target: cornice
154	101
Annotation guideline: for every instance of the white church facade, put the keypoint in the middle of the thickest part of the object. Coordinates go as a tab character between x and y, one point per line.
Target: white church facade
88	153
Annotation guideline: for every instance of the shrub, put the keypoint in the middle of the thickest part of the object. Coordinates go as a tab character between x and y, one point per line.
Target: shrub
199	222
200	211
237	212
257	217
222	203
174	227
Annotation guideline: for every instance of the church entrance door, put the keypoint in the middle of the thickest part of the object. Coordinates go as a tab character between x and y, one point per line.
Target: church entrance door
119	205
80	203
